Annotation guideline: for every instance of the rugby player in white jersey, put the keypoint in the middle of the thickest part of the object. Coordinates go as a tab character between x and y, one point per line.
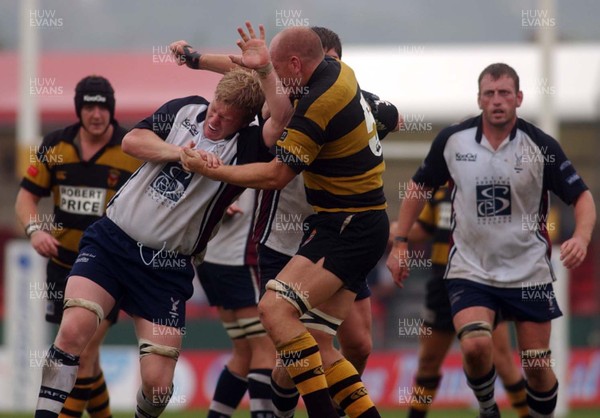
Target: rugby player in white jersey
501	170
141	252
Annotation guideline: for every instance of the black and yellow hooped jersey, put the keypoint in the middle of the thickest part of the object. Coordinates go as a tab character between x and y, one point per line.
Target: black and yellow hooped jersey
332	138
80	189
436	219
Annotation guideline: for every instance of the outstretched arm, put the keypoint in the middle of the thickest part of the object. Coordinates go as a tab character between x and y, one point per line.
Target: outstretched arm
147	146
186	55
271	175
255	56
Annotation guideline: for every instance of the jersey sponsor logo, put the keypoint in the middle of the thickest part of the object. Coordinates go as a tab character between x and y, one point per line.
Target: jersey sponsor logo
493	200
192	127
170	184
82	200
468	156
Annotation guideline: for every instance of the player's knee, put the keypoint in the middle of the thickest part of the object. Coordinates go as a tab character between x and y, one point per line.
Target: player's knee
282	296
358	347
87	305
272	308
74	334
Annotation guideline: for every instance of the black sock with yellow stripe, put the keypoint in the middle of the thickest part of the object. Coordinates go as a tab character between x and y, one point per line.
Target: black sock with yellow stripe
78	398
348	391
302	359
423	393
98	406
517	394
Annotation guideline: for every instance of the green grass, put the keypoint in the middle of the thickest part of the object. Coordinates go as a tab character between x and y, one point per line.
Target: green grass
398	413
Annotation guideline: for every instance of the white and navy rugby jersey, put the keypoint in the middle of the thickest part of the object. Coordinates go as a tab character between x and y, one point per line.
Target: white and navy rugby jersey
164	207
233	244
280	217
500	200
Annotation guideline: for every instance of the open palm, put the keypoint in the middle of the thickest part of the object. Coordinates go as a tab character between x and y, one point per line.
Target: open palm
255	53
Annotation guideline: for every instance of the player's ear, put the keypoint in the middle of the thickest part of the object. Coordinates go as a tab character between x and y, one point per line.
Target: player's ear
519	98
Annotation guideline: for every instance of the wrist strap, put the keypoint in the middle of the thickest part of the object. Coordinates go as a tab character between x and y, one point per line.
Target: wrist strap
265	71
192	59
399	238
31	227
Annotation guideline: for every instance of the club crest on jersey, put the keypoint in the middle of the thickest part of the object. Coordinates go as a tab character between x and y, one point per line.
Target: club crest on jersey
33	171
113	177
518	163
170	184
493	200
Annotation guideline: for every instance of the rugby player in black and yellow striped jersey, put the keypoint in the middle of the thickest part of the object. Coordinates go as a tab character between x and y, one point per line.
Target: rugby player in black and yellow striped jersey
332	139
81	166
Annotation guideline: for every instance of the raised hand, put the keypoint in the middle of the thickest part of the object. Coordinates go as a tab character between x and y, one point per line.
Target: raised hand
255	54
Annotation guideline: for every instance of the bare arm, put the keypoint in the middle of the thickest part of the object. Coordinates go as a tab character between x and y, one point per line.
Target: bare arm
574	250
218	63
417	233
271	175
147	146
26	208
410	209
255	56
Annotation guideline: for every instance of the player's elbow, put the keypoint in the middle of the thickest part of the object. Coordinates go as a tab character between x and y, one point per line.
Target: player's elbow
131	143
276	183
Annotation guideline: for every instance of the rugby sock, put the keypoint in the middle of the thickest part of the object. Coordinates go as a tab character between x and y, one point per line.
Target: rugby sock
302	359
78	398
58	378
424	391
151	408
518	398
284	400
483	388
259	388
348	391
228	394
99	404
542	404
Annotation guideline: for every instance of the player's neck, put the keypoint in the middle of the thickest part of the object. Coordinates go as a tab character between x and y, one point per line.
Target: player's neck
91	144
497	134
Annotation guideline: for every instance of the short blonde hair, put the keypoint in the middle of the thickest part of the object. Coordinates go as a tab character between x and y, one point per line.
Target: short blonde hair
241	89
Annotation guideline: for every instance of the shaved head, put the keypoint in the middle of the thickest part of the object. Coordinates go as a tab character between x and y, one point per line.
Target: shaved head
300	41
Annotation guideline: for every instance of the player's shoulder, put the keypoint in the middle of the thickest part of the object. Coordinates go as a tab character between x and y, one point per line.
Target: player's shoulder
188	100
471	124
467	124
66	134
536	134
